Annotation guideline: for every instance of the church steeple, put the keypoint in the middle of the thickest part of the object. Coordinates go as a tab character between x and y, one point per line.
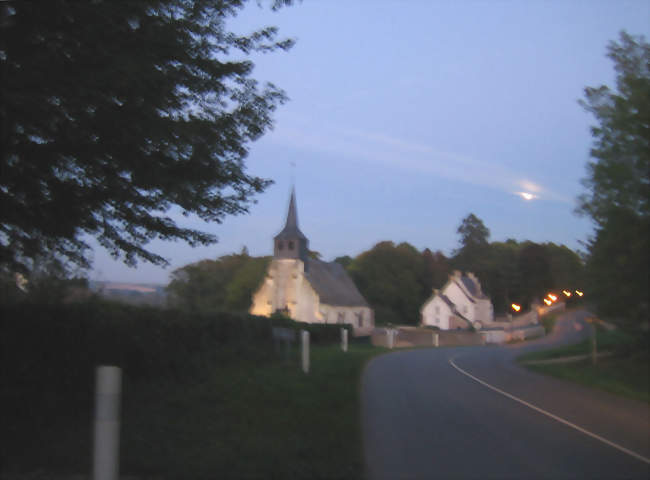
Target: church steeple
291	242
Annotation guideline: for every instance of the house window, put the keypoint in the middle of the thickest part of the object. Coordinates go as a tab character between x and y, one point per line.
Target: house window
359	319
290	245
437	320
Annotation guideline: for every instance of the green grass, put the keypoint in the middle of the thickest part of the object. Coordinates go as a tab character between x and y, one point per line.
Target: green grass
625	373
627	376
243	421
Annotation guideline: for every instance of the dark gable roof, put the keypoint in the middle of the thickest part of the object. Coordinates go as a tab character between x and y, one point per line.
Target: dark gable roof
472	287
332	284
465	293
447	301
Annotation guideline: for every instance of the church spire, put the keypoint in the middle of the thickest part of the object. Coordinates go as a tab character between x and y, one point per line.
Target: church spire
292	214
291	242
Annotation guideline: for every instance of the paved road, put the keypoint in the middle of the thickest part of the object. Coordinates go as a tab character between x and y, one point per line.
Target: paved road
423	418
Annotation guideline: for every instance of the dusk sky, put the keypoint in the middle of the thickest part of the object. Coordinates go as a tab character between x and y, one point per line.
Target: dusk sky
406	116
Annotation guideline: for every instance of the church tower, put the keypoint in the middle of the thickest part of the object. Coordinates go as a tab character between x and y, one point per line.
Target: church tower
290	242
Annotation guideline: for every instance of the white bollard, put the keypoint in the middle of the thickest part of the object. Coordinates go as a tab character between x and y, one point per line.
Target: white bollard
106	454
305	350
344	339
436	340
389	332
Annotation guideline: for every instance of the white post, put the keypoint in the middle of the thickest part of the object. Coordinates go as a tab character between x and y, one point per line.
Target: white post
436	340
344	339
106	454
389	332
305	351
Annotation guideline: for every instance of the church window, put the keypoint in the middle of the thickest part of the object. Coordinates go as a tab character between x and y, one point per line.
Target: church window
290	245
280	245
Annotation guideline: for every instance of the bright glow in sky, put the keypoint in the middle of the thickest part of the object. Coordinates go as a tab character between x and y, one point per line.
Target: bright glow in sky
406	116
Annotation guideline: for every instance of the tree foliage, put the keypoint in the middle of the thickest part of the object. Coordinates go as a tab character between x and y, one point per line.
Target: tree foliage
618	184
391	278
226	283
474	242
113	113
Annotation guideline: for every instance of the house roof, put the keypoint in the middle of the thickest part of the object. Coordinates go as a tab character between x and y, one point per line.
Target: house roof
465	293
332	284
472	287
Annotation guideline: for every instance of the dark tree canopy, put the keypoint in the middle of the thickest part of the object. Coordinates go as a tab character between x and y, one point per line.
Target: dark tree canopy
114	112
474	241
619	176
618	184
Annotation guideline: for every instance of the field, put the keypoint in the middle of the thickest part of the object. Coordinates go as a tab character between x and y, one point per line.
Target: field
247	420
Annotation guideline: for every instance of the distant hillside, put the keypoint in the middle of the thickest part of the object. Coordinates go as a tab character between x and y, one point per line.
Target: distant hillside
133	293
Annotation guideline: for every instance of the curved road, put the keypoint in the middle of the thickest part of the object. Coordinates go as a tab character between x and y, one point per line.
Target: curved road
472	412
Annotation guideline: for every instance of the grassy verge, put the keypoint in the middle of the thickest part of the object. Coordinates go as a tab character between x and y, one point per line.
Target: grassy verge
625	373
244	421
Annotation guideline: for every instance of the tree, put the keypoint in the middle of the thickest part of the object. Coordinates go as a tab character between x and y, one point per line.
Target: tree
390	278
618	183
474	236
436	269
226	283
113	113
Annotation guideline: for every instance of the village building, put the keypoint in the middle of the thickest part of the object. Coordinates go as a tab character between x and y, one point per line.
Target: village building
307	289
460	304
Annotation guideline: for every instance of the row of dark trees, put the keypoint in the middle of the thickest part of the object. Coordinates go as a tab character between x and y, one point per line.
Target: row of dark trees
397	279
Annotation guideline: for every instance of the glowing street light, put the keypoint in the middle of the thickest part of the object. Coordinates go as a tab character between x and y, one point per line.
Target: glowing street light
547	302
552	297
566	292
516	307
579	293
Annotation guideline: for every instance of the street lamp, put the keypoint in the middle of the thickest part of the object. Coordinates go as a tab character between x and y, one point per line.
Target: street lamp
566	292
516	307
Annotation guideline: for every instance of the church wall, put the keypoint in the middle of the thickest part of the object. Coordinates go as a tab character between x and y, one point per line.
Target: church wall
280	288
361	318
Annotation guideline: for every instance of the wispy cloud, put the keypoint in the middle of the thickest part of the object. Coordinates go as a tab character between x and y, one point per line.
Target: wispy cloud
379	148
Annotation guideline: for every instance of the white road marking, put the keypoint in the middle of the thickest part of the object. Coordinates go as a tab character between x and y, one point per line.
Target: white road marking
554	417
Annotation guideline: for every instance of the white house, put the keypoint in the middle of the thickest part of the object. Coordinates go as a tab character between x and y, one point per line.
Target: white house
307	289
459	304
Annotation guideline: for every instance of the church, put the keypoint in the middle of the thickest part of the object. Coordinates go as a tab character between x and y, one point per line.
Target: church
307	289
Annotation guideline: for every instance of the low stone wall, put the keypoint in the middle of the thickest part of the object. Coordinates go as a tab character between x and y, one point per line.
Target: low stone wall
507	335
424	337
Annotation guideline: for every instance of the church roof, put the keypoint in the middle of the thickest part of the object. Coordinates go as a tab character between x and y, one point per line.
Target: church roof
333	284
291	230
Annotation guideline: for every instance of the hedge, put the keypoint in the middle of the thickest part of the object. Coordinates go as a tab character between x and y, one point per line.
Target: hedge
63	343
